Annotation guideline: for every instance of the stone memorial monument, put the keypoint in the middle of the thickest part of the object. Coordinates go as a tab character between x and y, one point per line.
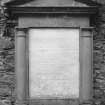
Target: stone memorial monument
53	51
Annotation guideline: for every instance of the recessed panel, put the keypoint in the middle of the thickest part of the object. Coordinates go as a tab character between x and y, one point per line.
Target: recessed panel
53	63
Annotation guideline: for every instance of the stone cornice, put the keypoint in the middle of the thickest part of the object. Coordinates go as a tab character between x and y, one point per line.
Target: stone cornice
52	10
89	2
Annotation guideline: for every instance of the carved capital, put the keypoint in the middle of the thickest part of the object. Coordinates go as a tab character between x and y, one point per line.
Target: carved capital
87	102
21	32
19	102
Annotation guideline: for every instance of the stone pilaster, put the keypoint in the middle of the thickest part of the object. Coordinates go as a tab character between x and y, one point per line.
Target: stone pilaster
20	66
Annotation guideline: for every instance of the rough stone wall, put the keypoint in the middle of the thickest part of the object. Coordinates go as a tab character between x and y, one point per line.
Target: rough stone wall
99	58
7	74
7	71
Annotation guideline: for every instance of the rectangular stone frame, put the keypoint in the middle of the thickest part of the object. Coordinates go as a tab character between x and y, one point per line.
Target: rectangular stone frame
22	69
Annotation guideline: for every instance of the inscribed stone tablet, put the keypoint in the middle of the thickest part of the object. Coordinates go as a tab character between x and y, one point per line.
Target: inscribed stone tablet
54	63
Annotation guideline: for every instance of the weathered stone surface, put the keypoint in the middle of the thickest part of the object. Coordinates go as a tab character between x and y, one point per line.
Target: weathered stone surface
99	59
7	75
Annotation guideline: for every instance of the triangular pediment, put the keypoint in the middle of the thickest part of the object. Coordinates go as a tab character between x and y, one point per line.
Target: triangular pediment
50	3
